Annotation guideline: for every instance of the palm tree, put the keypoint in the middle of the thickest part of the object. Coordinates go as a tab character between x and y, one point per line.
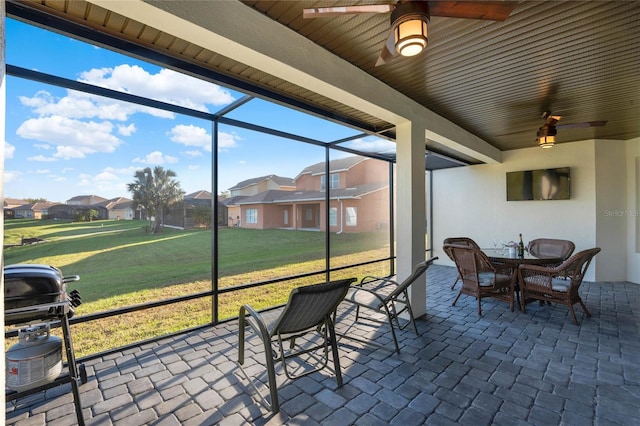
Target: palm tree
155	190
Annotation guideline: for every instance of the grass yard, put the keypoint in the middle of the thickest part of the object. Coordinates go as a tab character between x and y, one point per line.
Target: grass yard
120	265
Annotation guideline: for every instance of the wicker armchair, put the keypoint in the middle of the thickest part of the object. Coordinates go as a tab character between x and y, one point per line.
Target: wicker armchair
542	247
558	284
460	241
480	277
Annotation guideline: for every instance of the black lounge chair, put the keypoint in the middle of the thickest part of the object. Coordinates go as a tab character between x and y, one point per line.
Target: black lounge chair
310	309
383	295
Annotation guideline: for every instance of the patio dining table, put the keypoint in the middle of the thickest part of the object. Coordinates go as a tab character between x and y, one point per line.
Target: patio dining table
502	256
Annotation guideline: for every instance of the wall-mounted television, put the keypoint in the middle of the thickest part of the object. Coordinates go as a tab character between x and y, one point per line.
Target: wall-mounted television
542	184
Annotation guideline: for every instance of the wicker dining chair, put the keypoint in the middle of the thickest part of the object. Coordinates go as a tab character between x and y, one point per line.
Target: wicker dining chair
481	278
560	284
551	247
310	309
461	241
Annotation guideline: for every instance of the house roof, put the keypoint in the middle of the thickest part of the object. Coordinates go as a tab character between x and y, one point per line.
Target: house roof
282	181
335	166
278	196
119	203
82	198
232	201
13	202
35	206
198	195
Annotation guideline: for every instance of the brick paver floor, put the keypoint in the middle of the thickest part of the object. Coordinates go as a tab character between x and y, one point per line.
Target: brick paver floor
504	368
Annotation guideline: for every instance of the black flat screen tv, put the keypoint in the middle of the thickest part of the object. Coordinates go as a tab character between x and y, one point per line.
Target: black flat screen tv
542	184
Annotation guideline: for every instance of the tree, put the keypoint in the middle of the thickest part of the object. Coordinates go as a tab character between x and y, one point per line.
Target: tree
153	191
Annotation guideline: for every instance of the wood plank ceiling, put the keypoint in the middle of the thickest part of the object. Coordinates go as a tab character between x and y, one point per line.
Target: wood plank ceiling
580	59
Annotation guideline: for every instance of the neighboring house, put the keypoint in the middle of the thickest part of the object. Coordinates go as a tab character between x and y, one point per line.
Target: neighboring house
251	187
9	204
85	200
358	187
32	210
119	208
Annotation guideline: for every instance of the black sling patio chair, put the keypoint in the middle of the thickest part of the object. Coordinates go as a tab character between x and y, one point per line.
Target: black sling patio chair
387	296
310	309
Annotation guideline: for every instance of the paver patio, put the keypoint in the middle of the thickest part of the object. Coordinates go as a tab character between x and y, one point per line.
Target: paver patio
505	368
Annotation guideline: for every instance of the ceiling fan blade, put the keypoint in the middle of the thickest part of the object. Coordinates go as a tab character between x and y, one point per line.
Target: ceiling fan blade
491	10
321	12
388	52
581	125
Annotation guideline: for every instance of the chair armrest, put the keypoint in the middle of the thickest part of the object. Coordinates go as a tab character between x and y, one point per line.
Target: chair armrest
251	317
382	281
353	295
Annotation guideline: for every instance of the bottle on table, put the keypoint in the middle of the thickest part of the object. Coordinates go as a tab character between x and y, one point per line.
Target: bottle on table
521	247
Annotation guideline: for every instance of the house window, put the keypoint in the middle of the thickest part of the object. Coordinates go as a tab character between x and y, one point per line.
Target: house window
351	216
308	213
286	217
334	181
333	216
251	216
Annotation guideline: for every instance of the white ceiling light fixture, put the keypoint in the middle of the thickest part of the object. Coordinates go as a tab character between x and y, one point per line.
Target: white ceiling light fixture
409	22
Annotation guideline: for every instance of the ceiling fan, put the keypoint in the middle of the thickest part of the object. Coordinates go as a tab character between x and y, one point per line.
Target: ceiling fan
546	136
409	20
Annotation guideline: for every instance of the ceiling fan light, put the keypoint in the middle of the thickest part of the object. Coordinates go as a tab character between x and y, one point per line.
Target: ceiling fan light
546	141
546	136
411	35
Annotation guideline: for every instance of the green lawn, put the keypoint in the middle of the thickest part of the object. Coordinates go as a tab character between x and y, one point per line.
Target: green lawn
121	265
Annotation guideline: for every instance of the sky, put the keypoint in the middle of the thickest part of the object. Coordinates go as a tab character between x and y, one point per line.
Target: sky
62	143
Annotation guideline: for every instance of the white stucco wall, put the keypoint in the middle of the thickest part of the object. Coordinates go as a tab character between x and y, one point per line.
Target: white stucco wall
471	201
633	208
611	210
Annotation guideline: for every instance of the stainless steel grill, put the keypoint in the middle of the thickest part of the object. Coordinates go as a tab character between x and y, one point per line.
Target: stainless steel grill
38	294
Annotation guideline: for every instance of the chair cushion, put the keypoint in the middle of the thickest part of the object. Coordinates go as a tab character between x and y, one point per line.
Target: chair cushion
487	279
559	284
363	298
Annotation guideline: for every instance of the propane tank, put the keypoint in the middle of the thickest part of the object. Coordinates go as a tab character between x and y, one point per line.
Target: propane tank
35	360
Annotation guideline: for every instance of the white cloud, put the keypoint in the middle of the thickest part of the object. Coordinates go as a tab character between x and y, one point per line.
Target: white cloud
227	140
373	145
44	146
191	135
127	130
156	158
11	176
79	105
166	85
42	158
42	171
74	139
9	150
109	181
193	153
193	167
